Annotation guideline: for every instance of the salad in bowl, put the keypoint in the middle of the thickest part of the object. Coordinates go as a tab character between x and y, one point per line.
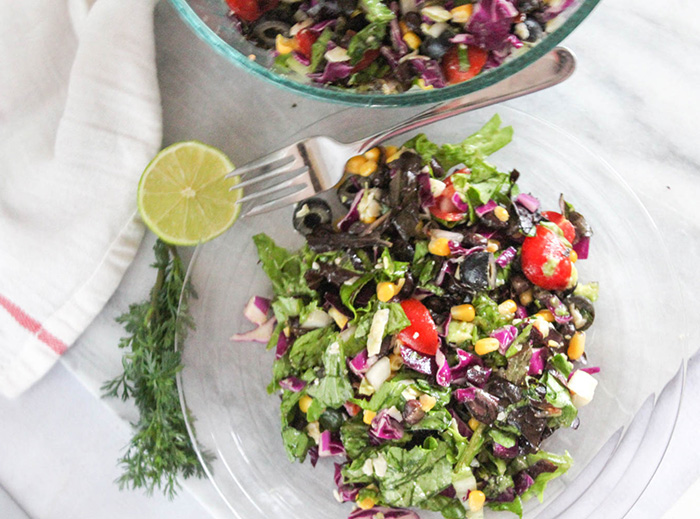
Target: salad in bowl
432	337
394	46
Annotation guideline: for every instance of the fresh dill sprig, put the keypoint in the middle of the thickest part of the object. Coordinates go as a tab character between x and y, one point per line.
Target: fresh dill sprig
160	450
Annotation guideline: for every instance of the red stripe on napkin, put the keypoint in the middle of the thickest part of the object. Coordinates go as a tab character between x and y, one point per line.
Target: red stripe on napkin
29	323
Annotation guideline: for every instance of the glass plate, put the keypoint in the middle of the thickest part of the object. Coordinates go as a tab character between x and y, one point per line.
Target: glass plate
209	20
623	433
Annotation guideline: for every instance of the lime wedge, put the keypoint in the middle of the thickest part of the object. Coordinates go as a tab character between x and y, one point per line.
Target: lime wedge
183	194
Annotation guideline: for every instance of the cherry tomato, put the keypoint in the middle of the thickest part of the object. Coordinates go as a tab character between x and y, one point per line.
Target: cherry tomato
305	40
421	335
545	260
251	10
367	58
450	64
565	225
444	208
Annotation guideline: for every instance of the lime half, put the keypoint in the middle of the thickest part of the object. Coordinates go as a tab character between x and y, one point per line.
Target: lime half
183	194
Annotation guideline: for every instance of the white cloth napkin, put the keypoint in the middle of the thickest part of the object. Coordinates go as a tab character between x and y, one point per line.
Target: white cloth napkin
80	117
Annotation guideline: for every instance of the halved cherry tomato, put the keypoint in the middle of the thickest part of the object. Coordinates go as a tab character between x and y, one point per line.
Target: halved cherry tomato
545	260
367	58
251	10
565	225
305	40
444	208
421	335
451	67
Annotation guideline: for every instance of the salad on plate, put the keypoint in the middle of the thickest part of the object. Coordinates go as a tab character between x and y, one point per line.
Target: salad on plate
433	337
392	46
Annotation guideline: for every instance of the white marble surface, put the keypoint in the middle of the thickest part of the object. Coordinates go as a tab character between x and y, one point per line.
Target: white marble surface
633	100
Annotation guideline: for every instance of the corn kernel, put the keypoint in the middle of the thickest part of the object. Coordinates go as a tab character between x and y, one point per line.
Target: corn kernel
573	256
412	40
577	345
368	416
340	318
492	245
501	213
473	423
507	307
404	28
305	403
546	315
395	362
366	503
462	13
390	151
439	247
487	345
368	219
373	154
463	313
476	500
385	291
285	45
427	402
423	85
391	157
526	297
368	168
355	163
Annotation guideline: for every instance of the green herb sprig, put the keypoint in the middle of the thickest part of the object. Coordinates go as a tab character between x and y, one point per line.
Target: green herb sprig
160	450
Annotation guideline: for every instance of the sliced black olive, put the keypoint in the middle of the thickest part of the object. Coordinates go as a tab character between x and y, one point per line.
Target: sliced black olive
528	6
534	30
349	188
311	213
519	284
582	311
434	48
412	20
478	271
268	30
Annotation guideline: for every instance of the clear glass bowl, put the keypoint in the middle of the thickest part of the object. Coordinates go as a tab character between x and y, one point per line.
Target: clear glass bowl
209	20
623	432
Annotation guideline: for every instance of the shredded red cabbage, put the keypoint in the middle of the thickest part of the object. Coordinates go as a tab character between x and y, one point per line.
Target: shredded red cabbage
528	201
353	213
260	334
581	247
537	361
385	427
387	513
505	336
292	384
486	208
283	344
506	257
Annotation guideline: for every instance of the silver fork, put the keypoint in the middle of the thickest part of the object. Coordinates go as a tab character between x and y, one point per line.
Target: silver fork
317	164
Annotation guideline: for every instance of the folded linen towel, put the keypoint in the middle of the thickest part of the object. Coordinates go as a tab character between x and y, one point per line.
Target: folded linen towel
80	117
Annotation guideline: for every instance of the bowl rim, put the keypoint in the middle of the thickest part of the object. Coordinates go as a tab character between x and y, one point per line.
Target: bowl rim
340	96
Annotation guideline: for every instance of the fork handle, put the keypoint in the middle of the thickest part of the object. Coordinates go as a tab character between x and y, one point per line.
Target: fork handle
549	70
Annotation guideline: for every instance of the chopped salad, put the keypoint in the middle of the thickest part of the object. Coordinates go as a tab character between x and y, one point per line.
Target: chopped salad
432	338
394	46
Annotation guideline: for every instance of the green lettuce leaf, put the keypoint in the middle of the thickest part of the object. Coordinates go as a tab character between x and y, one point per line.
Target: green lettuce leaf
318	49
307	350
285	270
377	11
414	476
334	388
369	38
563	464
